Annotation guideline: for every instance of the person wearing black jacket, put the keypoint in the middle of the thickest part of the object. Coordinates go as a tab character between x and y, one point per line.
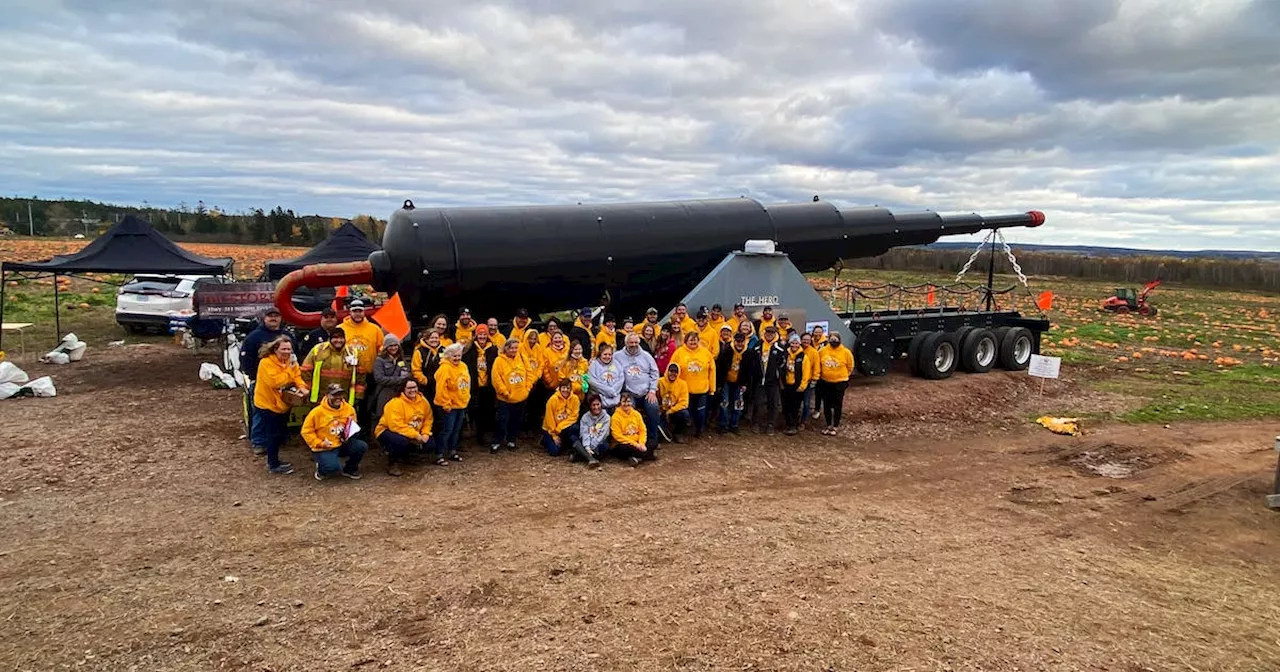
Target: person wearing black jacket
581	332
736	368
321	334
767	386
795	380
479	359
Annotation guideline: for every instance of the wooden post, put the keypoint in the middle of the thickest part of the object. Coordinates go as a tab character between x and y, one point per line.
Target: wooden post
57	311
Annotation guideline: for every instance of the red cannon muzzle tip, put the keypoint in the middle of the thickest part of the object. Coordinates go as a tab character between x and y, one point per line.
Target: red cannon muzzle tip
1037	218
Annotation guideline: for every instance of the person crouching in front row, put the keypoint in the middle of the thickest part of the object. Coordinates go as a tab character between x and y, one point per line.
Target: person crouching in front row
673	395
593	432
404	429
326	431
629	437
560	422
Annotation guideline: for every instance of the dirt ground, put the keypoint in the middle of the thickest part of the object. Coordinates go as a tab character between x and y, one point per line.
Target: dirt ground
942	531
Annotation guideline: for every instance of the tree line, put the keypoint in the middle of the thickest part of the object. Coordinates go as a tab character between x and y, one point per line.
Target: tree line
1260	275
39	217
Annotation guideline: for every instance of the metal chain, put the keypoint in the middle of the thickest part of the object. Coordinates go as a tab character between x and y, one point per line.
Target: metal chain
1017	269
975	254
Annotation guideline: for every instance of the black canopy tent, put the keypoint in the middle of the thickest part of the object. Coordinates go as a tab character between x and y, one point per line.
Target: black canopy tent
131	246
345	243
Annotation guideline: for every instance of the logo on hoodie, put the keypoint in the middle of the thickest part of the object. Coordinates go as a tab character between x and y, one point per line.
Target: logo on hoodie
633	371
694	367
516	378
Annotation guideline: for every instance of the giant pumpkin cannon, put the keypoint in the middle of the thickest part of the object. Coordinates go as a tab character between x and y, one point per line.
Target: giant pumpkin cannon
624	255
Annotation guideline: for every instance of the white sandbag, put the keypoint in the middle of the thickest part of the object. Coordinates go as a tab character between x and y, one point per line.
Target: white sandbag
56	357
9	389
10	373
43	387
211	373
70	339
76	353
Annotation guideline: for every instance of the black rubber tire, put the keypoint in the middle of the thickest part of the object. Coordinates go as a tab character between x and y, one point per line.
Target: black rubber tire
927	356
961	333
969	350
1008	348
913	351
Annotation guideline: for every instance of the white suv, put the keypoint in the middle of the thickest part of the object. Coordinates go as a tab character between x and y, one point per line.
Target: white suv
151	301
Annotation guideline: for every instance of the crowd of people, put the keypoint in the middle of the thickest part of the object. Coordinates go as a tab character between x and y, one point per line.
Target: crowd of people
590	390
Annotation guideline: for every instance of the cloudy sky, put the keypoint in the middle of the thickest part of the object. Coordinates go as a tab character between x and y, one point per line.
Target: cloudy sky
1146	123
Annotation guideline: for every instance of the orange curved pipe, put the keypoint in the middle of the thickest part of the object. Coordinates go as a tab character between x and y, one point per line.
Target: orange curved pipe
315	277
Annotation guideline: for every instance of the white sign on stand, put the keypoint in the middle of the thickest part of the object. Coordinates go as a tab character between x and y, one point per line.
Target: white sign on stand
1044	367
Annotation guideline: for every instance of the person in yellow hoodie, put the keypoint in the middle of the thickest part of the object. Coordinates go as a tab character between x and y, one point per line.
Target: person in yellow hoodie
651	319
837	366
680	317
560	421
717	318
530	350
815	370
453	394
698	369
276	374
628	432
608	334
364	338
519	324
795	380
405	426
766	320
673	399
511	384
575	367
326	432
465	328
708	336
551	355
738	317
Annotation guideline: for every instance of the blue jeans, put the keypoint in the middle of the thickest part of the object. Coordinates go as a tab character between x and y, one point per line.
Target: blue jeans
327	460
399	446
730	406
256	438
652	418
508	425
450	431
567	439
678	422
698	409
807	405
272	429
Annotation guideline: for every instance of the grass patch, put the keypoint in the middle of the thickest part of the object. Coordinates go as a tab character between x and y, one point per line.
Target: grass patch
1240	393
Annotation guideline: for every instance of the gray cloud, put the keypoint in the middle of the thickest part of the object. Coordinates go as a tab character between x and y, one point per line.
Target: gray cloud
1128	123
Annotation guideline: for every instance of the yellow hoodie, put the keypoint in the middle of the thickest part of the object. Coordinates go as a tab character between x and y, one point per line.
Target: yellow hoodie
574	371
415	365
406	418
364	339
462	333
790	374
272	378
765	324
511	379
606	336
517	331
811	360
627	426
561	413
673	397
697	368
325	427
453	386
836	363
549	361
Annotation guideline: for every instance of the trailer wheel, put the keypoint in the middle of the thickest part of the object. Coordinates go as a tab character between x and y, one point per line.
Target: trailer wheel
979	351
1016	349
938	356
913	351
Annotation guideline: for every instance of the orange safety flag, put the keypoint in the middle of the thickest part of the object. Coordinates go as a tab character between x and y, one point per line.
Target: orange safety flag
392	318
1045	301
929	296
338	297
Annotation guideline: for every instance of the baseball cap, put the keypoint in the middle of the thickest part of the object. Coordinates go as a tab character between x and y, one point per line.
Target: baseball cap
584	311
271	311
702	312
651	311
334	388
464	311
522	312
357	305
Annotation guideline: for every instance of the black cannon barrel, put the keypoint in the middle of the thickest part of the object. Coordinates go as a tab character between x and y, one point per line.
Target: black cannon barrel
633	255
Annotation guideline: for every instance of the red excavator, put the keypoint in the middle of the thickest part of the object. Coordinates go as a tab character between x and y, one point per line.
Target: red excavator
1127	300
